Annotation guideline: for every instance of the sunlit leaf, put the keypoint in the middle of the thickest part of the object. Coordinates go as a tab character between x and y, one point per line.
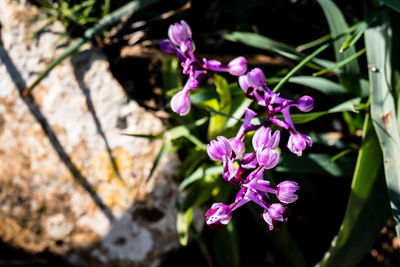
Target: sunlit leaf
367	209
383	110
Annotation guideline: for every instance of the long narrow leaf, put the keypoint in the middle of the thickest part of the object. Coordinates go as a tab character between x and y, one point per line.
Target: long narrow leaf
341	63
367	209
265	43
299	66
383	110
338	25
349	105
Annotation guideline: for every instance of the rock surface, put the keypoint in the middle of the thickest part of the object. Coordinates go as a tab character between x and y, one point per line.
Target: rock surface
70	183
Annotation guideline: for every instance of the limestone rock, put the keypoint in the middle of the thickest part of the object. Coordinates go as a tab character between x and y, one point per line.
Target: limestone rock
70	182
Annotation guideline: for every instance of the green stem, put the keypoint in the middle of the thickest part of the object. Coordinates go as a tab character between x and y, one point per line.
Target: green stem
300	66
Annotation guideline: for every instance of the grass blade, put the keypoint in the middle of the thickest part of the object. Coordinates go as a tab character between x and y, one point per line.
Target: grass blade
341	63
265	43
106	22
299	66
337	24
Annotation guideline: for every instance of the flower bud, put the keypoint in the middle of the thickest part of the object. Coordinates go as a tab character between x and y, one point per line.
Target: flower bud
286	191
275	215
237	66
256	77
298	142
218	150
167	46
305	103
267	157
244	84
178	33
213	64
218	216
180	103
188	45
262	138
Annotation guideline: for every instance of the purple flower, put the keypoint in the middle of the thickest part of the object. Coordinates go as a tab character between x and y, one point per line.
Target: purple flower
246	125
275	215
245	85
298	142
249	161
218	216
167	46
305	103
180	102
262	138
256	78
179	33
219	150
237	66
237	147
286	191
267	157
230	172
212	64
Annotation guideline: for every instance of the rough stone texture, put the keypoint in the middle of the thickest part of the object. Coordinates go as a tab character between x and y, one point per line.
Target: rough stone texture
70	183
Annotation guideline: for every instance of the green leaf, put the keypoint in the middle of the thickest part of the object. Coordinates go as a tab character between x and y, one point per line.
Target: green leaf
217	121
197	194
239	103
106	22
201	173
265	43
194	159
183	130
163	151
315	163
299	66
395	4
183	222
323	85
226	246
367	209
337	24
349	105
171	74
352	39
395	62
383	110
341	64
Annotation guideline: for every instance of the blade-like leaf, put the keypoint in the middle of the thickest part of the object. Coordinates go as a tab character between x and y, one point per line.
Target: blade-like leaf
183	130
199	174
367	209
299	66
383	110
328	87
395	4
316	164
341	63
337	24
265	43
349	105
